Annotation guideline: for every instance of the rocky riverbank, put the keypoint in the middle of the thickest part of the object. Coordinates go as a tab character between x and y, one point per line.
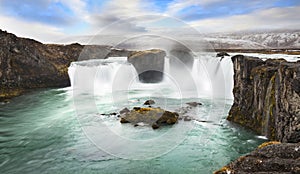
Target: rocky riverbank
271	157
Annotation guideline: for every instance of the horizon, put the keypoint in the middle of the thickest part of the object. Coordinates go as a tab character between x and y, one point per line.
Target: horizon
52	20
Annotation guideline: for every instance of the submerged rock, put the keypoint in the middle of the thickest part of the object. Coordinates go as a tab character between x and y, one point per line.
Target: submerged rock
267	97
149	64
155	117
194	104
270	157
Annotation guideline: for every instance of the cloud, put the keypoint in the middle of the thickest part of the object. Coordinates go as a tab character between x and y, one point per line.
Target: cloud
34	30
190	10
125	17
179	5
274	18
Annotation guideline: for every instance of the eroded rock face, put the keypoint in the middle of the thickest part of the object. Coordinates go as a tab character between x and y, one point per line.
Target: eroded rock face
266	97
274	158
149	64
155	117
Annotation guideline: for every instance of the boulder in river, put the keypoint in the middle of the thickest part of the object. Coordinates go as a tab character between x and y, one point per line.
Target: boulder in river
149	102
194	104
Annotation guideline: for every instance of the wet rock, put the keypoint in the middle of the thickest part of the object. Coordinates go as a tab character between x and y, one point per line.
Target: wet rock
271	157
123	120
149	102
187	118
150	116
155	126
149	64
222	54
266	97
124	111
194	104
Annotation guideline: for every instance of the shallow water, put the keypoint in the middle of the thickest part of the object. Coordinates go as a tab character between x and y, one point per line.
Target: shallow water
41	132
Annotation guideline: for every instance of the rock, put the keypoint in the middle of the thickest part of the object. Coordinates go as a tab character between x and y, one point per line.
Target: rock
187	118
149	102
123	120
266	97
222	54
182	54
155	126
114	52
27	64
124	111
150	116
194	104
270	157
149	64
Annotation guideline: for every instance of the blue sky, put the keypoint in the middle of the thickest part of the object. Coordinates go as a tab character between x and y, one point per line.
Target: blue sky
55	18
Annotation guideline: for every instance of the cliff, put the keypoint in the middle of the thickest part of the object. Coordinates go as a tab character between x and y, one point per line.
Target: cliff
28	64
267	97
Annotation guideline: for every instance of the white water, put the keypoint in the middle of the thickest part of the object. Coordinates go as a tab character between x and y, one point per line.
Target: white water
209	77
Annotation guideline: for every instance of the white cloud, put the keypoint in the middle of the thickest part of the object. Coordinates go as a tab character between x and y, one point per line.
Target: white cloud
178	5
34	30
274	18
77	6
125	17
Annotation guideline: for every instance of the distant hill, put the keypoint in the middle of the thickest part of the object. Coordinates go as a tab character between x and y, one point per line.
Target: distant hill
257	40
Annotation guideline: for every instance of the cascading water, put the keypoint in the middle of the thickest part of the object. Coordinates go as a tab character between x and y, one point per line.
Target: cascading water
208	77
100	76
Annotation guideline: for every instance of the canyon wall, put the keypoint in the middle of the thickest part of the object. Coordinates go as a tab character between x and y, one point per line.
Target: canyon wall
267	97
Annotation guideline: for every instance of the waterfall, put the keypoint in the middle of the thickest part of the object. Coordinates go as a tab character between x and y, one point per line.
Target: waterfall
208	77
102	75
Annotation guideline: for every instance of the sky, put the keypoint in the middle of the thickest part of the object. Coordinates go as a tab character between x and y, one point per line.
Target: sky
47	20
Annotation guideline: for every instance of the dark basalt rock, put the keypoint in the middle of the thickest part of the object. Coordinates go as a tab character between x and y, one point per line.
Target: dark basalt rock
149	64
149	102
266	97
222	54
155	117
194	104
270	157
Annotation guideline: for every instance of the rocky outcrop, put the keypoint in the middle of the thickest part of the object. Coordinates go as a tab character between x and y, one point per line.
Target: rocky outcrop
266	97
149	64
155	117
271	157
181	56
28	64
